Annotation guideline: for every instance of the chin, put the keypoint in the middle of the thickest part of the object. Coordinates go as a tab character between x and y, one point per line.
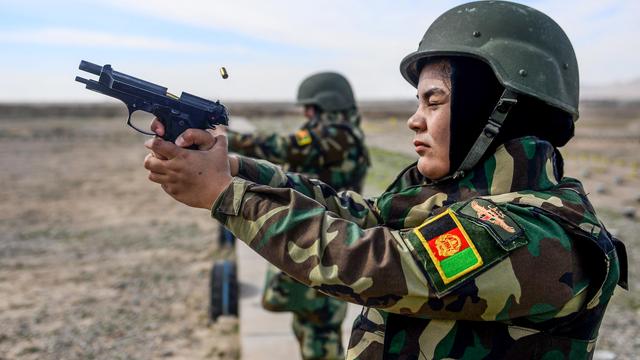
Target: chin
431	169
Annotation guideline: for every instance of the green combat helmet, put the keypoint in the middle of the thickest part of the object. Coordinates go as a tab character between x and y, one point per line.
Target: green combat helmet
529	53
328	90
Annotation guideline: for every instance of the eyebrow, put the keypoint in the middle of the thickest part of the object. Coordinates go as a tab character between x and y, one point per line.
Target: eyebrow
433	91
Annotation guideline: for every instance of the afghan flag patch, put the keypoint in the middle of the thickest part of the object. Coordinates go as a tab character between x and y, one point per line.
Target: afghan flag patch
303	137
449	247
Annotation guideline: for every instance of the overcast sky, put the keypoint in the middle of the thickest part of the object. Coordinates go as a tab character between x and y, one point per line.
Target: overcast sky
268	47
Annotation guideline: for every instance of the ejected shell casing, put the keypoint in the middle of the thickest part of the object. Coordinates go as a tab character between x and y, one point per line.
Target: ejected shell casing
224	73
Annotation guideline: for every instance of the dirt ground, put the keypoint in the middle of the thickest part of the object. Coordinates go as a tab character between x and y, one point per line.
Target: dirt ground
98	263
95	261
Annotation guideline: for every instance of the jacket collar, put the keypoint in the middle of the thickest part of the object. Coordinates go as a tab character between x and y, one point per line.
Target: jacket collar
526	163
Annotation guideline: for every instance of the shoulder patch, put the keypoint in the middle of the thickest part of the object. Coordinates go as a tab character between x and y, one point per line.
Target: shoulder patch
303	137
500	225
450	248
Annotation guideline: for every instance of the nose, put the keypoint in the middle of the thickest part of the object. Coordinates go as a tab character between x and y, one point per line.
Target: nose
417	122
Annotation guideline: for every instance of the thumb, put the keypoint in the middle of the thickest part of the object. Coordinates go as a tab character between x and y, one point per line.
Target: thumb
219	137
198	137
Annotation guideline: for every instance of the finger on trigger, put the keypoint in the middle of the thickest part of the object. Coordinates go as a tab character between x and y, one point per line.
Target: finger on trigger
157	127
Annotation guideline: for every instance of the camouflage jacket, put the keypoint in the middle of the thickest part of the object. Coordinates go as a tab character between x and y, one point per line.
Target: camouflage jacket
491	266
329	147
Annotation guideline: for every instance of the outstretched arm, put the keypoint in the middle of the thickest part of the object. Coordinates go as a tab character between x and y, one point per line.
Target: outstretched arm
310	148
348	204
378	266
402	271
271	147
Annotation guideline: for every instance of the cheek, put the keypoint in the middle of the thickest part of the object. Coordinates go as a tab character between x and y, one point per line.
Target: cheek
442	131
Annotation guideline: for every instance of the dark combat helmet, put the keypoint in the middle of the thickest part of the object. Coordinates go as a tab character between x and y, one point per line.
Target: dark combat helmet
528	52
327	90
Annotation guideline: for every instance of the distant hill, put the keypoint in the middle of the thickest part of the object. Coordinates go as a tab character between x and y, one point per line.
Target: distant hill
618	95
372	109
624	91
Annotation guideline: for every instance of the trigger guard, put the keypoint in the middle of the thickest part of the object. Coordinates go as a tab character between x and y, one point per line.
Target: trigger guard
131	110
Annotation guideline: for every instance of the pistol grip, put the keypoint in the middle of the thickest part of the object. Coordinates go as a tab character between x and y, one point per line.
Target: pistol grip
173	127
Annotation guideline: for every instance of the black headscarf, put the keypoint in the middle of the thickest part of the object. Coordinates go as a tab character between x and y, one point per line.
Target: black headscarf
474	93
475	90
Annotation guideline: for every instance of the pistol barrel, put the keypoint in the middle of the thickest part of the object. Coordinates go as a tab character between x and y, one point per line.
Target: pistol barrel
82	80
90	67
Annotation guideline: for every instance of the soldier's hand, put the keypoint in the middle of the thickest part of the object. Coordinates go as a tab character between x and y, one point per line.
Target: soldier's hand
195	136
205	141
189	137
193	177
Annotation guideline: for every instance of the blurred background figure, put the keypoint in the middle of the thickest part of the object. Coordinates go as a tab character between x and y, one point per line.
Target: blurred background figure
328	146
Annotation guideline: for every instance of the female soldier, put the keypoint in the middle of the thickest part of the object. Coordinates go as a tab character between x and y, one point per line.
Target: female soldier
481	249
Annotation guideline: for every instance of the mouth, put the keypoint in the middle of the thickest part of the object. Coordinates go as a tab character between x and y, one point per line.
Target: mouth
420	146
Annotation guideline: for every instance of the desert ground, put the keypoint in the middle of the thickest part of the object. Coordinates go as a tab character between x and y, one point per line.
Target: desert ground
96	262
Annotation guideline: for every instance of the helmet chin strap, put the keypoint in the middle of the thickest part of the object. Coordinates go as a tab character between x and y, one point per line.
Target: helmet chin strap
506	102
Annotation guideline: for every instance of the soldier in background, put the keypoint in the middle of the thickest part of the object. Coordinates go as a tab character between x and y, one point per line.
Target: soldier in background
329	146
482	248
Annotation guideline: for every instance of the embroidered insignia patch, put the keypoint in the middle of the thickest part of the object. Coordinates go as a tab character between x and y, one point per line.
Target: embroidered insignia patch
303	137
500	225
492	214
450	248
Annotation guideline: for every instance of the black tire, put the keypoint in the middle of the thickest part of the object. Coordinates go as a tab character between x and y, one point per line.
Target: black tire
224	289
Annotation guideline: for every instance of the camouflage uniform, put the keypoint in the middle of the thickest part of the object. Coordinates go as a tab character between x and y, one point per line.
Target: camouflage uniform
329	147
508	261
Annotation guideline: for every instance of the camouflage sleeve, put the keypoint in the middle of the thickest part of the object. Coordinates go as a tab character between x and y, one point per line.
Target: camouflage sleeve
454	266
272	147
346	204
320	146
306	148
